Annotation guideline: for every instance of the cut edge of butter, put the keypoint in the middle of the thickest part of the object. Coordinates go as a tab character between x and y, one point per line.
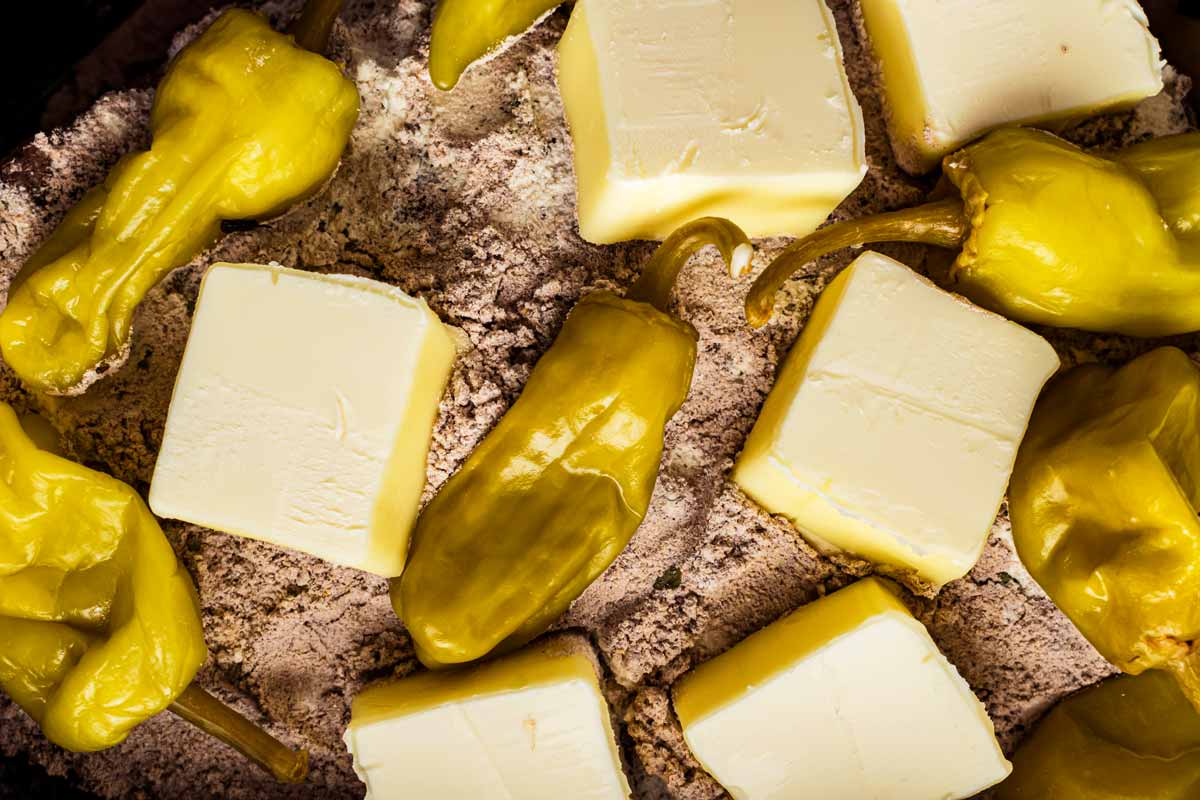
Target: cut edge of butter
538	664
768	652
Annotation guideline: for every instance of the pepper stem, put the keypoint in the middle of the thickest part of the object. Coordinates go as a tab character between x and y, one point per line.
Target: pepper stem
1187	673
658	278
220	721
942	224
314	24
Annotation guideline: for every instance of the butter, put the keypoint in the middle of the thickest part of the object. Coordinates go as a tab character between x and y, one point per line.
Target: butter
894	423
734	108
302	413
955	69
847	698
529	726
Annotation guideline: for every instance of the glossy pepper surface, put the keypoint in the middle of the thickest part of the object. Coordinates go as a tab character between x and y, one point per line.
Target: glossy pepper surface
1129	738
1103	505
245	123
1050	234
465	31
99	625
557	488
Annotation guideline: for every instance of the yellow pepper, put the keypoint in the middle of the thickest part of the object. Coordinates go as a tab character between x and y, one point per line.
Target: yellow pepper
1129	738
99	624
1103	505
244	124
465	31
558	487
1050	234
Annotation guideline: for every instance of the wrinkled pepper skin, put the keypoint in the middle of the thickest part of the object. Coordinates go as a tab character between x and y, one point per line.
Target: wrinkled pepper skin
1129	738
1049	234
1063	237
99	625
465	31
244	124
1103	503
558	487
1170	169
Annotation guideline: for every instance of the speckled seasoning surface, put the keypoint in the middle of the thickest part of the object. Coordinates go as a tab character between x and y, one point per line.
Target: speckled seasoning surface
467	200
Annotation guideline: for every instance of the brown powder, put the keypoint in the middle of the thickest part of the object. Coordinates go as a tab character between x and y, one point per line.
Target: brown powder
467	199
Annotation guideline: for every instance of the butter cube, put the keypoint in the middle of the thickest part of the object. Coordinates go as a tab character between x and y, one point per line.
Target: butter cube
954	69
734	108
529	726
894	422
845	699
302	413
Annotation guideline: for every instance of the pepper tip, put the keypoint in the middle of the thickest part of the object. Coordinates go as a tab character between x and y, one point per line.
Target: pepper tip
443	77
297	770
756	315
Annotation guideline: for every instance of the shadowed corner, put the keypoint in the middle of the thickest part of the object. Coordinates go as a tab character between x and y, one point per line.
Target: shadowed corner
20	779
1176	23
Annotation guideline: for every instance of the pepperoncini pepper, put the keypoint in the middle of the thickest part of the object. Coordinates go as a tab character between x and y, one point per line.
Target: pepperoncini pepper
465	31
245	123
1050	234
558	487
1103	505
1128	738
99	624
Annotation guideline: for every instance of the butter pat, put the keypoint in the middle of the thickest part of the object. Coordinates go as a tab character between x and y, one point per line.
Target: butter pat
302	413
954	69
734	108
895	420
848	698
530	726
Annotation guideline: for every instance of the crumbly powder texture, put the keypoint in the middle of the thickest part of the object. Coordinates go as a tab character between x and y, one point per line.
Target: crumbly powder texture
467	199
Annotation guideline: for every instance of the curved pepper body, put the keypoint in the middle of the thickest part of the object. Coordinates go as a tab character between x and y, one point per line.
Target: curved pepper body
1063	237
465	31
99	624
1049	234
556	489
1103	505
1170	168
1129	738
244	124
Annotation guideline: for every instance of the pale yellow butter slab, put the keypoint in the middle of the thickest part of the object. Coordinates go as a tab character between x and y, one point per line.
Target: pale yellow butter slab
528	726
954	69
847	698
733	108
894	423
302	413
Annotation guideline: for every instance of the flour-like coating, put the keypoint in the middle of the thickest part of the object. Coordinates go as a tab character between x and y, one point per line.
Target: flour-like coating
467	199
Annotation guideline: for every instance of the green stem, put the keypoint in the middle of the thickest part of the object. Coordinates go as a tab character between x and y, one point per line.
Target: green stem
220	721
313	26
942	224
658	278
